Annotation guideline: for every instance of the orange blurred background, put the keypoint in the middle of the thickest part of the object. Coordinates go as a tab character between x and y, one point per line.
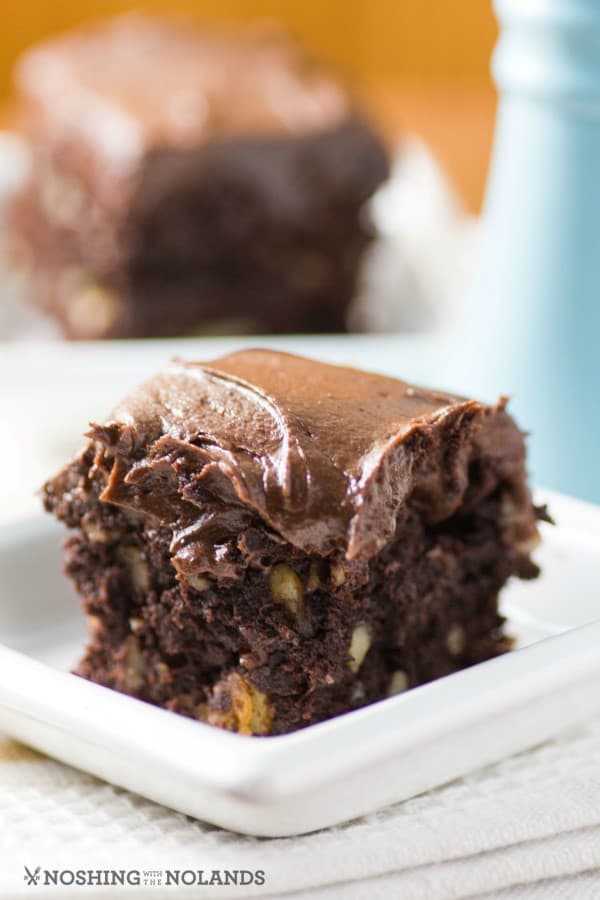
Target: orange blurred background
421	65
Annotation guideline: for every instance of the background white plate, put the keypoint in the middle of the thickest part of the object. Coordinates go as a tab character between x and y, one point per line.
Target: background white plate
327	773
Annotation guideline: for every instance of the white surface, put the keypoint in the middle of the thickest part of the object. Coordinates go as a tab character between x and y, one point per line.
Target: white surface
416	272
325	774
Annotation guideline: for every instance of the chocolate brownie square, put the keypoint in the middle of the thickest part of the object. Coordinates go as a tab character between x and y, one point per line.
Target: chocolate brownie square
187	181
264	541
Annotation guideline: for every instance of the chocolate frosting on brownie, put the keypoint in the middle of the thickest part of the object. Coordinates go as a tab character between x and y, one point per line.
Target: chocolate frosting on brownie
324	455
136	82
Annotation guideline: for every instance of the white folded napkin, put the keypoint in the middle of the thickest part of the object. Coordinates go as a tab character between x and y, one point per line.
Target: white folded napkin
528	827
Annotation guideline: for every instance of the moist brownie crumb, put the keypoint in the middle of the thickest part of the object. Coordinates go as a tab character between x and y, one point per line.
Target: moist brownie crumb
262	542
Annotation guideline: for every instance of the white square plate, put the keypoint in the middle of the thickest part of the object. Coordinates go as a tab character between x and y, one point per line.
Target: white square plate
327	773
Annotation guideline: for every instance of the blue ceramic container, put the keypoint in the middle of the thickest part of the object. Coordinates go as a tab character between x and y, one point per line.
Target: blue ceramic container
533	327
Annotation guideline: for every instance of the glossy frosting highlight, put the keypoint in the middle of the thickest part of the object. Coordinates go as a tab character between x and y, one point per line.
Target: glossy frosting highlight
324	455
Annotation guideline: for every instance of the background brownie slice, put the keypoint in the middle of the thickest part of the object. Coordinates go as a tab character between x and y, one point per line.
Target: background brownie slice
184	181
265	541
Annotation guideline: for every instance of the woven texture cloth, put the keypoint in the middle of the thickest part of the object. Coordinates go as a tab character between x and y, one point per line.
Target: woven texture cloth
528	827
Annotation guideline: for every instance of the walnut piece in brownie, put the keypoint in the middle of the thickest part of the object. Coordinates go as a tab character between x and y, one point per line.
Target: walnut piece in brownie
186	181
265	541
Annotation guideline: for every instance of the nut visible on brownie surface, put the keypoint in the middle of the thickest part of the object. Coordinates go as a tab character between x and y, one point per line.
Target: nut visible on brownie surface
347	537
134	665
398	683
313	582
286	588
359	646
198	582
238	706
456	640
338	575
137	568
96	533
